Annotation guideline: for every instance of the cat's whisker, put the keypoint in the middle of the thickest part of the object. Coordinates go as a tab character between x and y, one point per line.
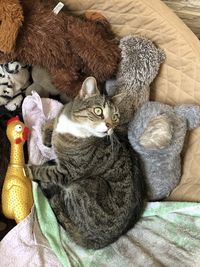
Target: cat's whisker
111	141
115	137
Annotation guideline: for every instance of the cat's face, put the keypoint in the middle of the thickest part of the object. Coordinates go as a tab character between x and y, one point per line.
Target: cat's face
91	114
96	115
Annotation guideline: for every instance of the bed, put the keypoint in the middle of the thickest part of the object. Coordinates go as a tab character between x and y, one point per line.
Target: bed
168	234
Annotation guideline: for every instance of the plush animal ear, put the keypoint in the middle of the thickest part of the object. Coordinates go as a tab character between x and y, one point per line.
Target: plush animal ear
191	113
89	88
117	99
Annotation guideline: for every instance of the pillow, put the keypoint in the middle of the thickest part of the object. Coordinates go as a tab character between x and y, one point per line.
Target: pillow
179	78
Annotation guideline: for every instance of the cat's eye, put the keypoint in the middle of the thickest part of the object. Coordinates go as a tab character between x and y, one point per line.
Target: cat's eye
98	111
115	117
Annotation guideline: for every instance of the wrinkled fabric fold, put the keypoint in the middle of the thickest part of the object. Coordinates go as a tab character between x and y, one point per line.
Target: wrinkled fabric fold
36	111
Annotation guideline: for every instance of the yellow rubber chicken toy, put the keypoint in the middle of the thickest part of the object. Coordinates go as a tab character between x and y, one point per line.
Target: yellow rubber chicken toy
17	199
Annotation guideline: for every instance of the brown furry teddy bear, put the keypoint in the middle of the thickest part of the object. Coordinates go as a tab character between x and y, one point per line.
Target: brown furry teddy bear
69	47
11	18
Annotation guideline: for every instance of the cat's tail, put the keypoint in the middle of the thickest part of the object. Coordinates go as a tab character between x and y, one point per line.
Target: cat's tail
141	194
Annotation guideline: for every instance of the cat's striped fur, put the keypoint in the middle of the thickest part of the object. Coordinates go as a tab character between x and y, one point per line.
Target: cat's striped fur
96	188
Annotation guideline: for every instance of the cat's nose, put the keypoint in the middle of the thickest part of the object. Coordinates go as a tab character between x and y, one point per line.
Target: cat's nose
109	125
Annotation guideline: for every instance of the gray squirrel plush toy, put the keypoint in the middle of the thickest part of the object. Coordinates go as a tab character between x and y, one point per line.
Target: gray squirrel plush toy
156	131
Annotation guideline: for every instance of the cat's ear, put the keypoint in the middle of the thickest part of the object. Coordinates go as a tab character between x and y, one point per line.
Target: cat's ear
89	88
117	99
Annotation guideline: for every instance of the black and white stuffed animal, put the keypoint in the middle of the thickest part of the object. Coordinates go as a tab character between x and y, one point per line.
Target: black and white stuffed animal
14	79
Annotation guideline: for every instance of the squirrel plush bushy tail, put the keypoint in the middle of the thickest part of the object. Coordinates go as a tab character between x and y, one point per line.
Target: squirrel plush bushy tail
139	65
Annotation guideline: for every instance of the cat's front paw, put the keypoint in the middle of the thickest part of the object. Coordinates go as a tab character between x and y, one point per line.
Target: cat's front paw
47	130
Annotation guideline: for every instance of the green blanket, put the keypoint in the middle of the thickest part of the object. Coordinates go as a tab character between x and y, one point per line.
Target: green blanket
168	234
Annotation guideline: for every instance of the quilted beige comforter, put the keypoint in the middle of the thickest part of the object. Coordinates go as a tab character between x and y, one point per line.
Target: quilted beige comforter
179	77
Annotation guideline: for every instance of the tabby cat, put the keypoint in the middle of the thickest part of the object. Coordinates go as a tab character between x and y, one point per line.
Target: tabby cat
96	188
